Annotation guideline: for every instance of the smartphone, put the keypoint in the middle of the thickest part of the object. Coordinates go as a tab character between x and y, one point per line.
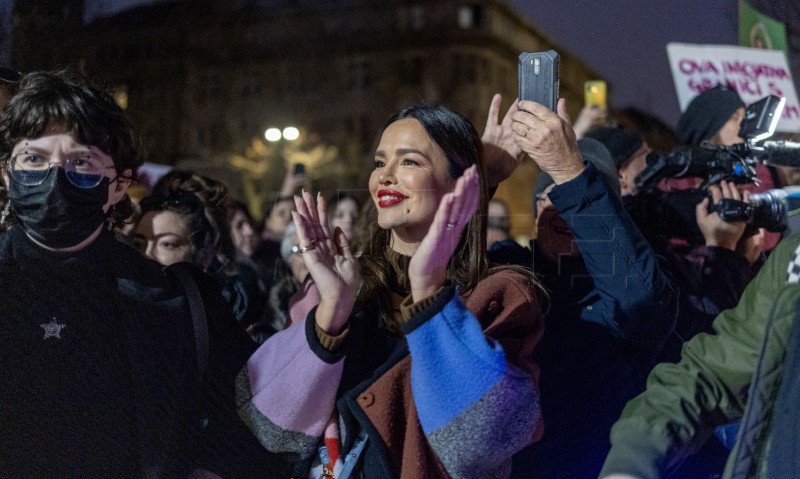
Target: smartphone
595	92
299	169
538	77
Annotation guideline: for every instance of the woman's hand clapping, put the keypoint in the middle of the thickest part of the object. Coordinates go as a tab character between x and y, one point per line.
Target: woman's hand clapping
427	268
329	261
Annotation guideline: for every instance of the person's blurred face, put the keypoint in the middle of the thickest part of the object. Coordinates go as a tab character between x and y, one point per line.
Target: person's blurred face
497	209
729	133
280	217
244	237
631	169
409	180
497	222
163	236
345	216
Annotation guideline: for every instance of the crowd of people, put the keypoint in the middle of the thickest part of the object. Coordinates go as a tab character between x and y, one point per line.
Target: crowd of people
405	333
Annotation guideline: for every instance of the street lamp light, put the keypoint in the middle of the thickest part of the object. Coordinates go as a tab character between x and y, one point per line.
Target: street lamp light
289	133
272	134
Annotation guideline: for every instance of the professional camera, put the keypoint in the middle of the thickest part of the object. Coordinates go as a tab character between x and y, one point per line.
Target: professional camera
672	213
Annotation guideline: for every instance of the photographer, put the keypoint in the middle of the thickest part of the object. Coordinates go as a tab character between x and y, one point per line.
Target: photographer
712	269
711	258
715	116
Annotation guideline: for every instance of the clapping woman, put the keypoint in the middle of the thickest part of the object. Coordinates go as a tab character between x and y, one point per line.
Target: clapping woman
416	362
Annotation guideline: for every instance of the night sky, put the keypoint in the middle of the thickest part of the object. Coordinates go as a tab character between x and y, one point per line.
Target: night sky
625	41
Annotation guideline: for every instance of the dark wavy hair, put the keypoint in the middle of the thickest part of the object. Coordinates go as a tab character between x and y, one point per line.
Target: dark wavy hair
212	194
191	209
68	99
462	146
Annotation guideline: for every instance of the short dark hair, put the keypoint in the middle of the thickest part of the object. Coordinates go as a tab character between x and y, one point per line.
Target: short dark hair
203	233
67	98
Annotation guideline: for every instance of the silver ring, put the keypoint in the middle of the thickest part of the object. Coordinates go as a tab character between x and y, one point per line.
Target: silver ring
527	129
307	248
450	226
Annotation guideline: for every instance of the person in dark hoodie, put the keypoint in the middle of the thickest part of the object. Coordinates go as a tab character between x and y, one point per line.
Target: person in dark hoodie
715	116
100	370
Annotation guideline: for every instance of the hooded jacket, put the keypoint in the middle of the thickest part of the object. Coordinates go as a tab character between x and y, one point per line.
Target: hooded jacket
748	369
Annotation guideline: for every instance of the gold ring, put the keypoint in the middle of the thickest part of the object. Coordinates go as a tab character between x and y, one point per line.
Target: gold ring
307	248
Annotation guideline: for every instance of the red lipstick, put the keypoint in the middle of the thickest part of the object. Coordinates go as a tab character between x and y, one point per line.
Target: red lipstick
388	198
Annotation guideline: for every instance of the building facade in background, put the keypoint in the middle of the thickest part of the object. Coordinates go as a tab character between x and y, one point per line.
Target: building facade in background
202	81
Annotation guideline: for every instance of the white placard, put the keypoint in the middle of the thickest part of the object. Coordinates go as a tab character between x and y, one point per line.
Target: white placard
753	72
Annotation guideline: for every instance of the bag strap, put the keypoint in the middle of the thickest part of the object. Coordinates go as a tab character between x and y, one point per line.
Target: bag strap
198	312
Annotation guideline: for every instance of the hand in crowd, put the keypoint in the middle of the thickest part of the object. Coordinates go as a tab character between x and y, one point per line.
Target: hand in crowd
752	246
291	182
723	234
329	261
549	139
589	116
503	155
427	268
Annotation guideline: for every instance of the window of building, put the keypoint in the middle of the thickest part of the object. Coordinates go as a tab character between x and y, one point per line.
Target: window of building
464	68
358	75
470	16
411	18
417	18
412	71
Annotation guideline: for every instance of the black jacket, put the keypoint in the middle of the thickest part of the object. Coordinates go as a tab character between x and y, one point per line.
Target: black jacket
98	368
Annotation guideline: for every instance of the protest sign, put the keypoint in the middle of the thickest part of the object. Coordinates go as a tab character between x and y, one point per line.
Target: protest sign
753	72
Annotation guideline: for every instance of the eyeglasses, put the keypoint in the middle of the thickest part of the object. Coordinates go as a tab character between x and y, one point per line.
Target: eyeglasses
83	171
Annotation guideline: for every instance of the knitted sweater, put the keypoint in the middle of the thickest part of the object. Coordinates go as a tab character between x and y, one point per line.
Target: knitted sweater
453	396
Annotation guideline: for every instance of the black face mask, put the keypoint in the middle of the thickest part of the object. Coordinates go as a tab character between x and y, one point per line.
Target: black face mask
56	213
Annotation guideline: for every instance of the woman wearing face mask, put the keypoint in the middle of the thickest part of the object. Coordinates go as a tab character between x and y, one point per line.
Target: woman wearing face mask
101	375
415	349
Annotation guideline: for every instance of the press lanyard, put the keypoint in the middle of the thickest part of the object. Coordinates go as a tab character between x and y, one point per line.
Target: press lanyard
350	460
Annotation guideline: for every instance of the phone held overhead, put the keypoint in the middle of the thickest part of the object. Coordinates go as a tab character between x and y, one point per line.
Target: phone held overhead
595	92
538	77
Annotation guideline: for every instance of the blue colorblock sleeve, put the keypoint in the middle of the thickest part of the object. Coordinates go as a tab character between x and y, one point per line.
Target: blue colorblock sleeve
475	408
